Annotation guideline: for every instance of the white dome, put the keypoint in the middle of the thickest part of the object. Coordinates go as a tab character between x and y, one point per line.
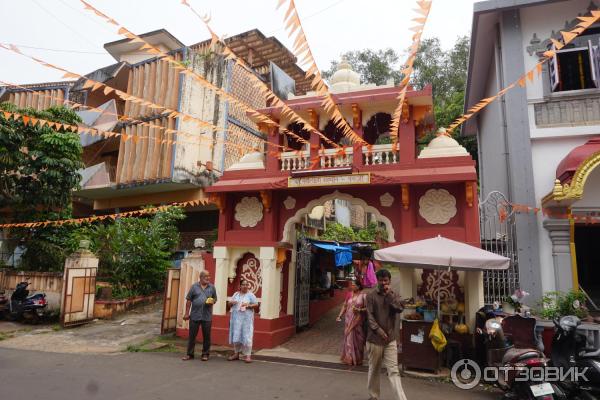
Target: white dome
443	146
254	160
344	79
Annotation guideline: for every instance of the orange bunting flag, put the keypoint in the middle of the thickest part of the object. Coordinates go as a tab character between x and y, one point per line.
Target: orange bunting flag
530	76
568	36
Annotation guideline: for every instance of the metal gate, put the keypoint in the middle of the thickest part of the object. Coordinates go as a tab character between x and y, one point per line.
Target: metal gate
79	292
498	235
171	301
302	289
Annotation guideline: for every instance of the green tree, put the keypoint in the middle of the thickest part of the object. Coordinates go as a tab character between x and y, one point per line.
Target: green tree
445	70
374	66
38	173
134	252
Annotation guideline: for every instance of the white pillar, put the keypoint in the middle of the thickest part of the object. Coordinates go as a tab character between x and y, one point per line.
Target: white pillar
473	296
271	283
222	260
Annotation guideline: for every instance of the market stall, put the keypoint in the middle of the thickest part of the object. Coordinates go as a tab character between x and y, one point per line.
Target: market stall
438	262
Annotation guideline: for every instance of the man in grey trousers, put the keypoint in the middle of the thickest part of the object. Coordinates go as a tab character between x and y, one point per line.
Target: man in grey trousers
201	298
382	306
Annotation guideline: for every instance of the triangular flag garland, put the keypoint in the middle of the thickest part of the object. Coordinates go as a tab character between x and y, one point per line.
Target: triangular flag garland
286	111
180	66
567	37
95	218
424	9
303	52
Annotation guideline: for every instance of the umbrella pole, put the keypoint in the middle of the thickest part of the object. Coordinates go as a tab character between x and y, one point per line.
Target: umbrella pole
439	280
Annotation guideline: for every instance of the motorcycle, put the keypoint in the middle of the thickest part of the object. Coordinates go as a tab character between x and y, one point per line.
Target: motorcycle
521	366
3	302
569	349
23	306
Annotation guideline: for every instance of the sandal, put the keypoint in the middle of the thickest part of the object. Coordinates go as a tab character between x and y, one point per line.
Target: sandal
204	357
247	360
187	358
233	357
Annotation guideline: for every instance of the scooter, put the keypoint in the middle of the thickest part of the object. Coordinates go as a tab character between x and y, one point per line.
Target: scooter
569	349
520	380
23	306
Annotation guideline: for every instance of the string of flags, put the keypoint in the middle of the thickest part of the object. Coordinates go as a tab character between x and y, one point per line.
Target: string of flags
96	218
301	49
270	96
567	37
423	10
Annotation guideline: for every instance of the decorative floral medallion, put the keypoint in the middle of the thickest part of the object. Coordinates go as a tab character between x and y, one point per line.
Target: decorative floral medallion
251	273
249	212
437	206
289	203
386	200
444	282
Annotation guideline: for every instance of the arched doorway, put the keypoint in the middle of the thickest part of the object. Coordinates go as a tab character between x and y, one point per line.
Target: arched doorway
586	235
321	278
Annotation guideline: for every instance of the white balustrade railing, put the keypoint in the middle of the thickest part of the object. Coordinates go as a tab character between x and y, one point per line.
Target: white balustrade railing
295	160
380	154
333	158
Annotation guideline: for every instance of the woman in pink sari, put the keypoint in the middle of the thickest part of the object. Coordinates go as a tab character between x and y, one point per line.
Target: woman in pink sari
354	313
369	279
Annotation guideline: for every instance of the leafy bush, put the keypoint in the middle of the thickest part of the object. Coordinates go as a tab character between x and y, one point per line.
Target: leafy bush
558	304
135	252
339	233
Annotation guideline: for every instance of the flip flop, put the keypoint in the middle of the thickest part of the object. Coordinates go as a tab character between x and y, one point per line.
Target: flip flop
233	357
204	357
247	360
187	358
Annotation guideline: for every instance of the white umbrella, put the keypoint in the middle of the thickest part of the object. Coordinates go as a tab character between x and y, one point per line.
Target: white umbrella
441	253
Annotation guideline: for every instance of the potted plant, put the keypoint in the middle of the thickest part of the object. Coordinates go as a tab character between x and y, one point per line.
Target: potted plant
513	304
558	304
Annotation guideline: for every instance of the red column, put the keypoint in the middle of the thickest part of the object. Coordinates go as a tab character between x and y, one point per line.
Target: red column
471	214
407	215
314	150
406	133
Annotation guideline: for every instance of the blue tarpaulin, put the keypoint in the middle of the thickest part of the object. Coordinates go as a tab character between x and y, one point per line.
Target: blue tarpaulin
343	254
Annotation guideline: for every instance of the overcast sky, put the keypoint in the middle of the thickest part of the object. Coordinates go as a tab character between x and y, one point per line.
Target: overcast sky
76	36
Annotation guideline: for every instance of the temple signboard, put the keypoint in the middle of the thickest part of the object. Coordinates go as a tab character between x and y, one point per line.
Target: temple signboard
330	180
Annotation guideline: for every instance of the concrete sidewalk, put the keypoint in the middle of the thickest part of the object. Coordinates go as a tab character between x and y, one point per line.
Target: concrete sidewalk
101	336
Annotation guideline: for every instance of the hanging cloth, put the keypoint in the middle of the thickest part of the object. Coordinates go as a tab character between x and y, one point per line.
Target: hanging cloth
369	278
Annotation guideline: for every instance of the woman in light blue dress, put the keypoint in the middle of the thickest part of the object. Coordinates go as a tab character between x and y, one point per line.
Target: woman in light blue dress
241	324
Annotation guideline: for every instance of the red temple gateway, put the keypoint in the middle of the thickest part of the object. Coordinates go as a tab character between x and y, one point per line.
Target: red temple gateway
264	199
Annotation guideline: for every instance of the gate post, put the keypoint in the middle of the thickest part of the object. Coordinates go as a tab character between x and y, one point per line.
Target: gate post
79	286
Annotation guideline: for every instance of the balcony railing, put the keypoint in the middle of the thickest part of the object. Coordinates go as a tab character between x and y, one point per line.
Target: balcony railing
380	154
295	160
334	158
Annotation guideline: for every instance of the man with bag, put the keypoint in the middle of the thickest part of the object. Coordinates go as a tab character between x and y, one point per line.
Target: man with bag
382	306
201	298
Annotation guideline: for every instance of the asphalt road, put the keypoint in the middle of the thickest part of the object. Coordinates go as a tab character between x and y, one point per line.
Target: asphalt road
50	376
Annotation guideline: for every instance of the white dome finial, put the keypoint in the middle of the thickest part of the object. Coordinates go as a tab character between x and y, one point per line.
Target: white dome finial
344	79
